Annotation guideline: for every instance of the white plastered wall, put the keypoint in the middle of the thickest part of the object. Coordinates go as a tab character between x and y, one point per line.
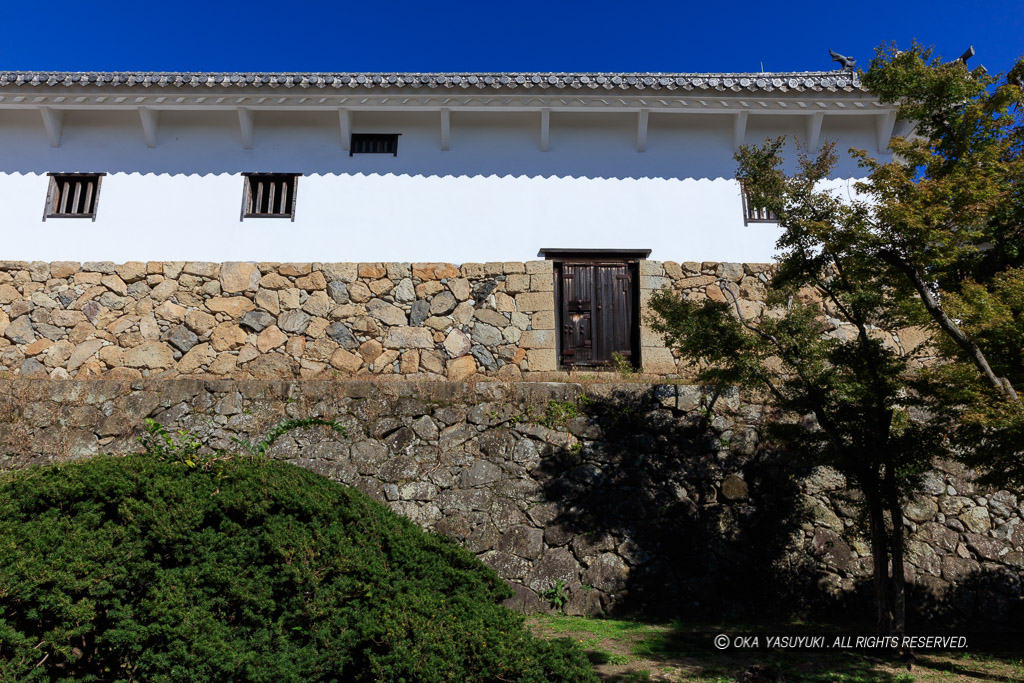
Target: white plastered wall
493	197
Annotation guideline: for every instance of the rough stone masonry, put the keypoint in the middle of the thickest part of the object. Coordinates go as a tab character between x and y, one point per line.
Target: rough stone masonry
657	499
65	320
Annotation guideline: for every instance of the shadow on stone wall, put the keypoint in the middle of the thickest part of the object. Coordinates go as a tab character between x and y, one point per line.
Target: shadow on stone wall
673	514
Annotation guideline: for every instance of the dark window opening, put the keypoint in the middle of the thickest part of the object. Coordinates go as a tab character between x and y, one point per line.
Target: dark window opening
752	215
270	195
374	143
73	195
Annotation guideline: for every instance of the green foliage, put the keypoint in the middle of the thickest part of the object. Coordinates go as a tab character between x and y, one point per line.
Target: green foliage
260	448
182	447
557	596
622	365
137	569
950	217
559	413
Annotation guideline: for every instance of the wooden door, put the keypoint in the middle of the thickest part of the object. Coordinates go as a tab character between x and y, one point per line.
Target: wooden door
597	312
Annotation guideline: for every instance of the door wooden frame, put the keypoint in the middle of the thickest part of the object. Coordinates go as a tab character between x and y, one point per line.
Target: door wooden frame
612	257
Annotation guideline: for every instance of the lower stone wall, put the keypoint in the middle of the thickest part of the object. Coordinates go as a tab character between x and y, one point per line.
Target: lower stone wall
656	499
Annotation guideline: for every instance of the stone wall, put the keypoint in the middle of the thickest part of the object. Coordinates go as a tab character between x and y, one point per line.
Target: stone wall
66	320
159	319
637	497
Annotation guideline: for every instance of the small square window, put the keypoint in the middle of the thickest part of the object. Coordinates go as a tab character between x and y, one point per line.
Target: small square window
269	195
752	215
374	143
73	195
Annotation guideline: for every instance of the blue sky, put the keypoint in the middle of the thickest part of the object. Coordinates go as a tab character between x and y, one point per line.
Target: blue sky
224	35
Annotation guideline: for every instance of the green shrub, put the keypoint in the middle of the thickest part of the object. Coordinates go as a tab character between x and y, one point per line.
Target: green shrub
142	569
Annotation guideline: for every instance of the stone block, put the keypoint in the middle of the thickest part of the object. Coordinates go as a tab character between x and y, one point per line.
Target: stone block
274	281
200	269
695	282
533	301
537	339
517	283
65	269
372	271
461	368
457	343
539	267
312	282
295	269
434	271
504	303
657	360
733	272
239	277
401	337
151	355
650	338
542	360
343	272
234	306
198	356
652	268
513	267
654	282
472	270
227	336
542	283
346	361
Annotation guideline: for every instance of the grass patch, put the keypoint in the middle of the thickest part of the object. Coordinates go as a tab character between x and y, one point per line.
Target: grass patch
622	650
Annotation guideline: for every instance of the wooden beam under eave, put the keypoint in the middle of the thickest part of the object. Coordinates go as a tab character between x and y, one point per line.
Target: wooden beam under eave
446	130
642	118
739	129
814	122
150	119
545	129
884	124
53	121
345	121
246	124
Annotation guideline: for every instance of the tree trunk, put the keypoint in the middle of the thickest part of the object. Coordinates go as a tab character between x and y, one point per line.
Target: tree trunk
899	604
879	556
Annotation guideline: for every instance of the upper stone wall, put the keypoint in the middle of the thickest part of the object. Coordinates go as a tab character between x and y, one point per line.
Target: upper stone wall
65	320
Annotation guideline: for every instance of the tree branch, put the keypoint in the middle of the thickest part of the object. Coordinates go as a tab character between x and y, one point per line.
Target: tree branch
819	411
934	308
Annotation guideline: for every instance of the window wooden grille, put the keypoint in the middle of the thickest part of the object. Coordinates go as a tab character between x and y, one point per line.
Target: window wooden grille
753	215
374	143
270	195
73	195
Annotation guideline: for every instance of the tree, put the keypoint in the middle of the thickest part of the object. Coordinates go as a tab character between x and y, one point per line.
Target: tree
933	239
949	218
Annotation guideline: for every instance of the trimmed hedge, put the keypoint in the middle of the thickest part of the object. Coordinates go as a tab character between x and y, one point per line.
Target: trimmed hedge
139	569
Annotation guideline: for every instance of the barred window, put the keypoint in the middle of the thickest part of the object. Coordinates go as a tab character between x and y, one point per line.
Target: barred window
270	195
752	215
73	195
374	143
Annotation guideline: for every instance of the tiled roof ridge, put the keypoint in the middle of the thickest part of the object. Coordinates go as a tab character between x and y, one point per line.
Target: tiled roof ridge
773	81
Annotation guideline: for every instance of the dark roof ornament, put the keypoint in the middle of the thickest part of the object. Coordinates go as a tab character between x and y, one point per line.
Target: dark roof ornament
847	62
962	59
977	71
